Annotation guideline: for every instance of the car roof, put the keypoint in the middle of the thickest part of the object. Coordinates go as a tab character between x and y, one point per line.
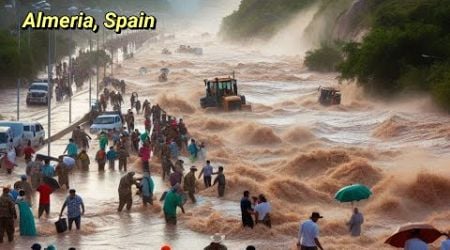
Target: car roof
4	129
221	79
40	83
9	122
31	123
108	115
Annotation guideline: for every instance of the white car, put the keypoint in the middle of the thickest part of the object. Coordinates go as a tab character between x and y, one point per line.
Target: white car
106	122
38	93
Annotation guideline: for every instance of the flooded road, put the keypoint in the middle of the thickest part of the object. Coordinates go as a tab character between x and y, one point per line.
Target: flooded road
288	147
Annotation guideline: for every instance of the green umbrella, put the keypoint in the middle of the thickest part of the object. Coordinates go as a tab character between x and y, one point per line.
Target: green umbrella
352	193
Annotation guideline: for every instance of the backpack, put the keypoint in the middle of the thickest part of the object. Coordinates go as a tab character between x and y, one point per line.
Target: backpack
101	155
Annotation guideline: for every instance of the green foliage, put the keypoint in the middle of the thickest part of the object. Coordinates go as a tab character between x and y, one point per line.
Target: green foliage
409	42
9	55
324	59
260	18
33	54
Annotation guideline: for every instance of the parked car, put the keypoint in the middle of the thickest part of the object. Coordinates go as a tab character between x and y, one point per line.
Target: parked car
34	132
38	93
17	133
106	122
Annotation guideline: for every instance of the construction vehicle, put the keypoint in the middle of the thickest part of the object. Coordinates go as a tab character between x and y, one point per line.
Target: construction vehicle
222	93
163	76
189	50
329	96
165	51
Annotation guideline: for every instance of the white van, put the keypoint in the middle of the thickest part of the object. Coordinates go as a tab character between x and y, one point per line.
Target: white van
17	131
34	132
6	135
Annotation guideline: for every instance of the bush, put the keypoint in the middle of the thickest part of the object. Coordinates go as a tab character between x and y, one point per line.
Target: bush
408	47
324	59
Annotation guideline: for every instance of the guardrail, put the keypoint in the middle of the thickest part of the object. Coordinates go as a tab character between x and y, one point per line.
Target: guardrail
61	133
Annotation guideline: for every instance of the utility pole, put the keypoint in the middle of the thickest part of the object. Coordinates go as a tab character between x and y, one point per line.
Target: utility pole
20	66
69	73
49	99
90	78
97	66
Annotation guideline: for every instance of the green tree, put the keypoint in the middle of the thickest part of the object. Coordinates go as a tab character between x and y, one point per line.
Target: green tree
324	59
408	47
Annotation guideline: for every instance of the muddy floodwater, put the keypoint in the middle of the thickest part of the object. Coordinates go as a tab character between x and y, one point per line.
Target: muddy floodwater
288	147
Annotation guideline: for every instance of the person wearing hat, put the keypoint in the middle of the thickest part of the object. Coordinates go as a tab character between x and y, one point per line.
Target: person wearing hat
7	216
216	243
25	186
125	194
190	183
308	235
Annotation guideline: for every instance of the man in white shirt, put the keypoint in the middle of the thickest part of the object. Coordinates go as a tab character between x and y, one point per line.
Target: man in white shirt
445	245
262	211
415	243
308	234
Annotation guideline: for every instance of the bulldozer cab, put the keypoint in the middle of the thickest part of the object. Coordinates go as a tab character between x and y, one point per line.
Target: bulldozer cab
329	96
223	93
220	87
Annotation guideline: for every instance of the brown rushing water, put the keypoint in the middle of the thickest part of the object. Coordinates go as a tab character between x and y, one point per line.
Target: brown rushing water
290	148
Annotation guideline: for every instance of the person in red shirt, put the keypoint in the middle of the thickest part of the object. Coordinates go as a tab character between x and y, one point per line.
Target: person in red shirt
44	199
147	124
144	153
28	152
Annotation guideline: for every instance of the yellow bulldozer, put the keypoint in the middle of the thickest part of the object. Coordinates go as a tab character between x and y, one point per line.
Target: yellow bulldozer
222	93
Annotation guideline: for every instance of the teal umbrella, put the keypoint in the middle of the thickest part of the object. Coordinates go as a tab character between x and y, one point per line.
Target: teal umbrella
355	192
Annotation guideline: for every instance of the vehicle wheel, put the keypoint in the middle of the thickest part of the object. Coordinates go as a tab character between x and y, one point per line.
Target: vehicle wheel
41	141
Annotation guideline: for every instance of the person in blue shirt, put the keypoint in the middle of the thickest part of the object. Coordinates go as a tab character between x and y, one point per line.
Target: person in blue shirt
111	156
73	203
148	187
71	149
193	150
47	170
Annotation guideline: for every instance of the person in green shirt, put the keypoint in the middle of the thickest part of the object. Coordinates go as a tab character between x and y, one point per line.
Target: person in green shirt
71	149
103	140
144	137
172	200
